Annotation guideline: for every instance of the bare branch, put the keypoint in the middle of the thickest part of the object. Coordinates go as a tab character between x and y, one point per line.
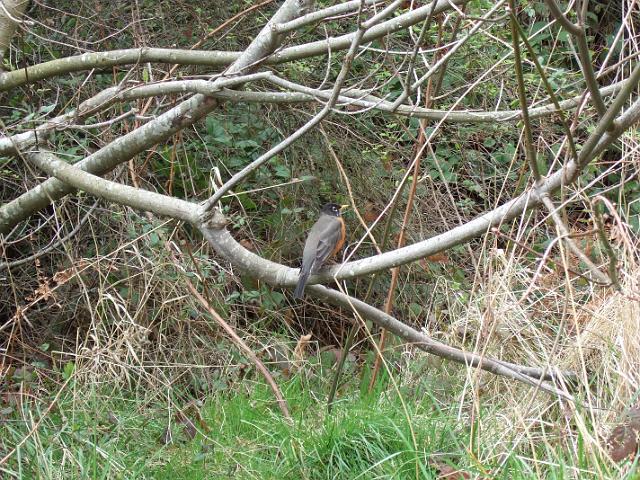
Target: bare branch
115	192
530	153
52	245
272	272
586	63
235	338
529	375
11	12
562	18
323	14
566	236
103	100
102	60
366	100
445	58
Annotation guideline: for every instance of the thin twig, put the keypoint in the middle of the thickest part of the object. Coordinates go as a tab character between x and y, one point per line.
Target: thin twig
578	31
602	236
530	153
48	248
445	58
566	236
395	272
235	338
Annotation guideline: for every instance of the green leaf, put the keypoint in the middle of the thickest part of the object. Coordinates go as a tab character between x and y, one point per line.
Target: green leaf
68	370
154	239
282	171
216	131
246	202
415	308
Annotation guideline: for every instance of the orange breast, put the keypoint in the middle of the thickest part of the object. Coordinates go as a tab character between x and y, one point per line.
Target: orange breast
343	236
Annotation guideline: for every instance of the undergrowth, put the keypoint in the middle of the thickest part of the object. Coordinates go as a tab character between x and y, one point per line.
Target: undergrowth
104	431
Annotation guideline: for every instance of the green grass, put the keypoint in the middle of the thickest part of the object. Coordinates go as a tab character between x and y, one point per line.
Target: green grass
98	433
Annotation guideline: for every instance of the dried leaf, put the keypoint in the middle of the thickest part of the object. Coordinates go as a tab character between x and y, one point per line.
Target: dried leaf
193	407
439	257
190	429
299	353
248	244
447	472
624	439
43	292
63	276
371	212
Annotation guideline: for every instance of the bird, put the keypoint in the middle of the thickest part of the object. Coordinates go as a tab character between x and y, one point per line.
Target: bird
326	238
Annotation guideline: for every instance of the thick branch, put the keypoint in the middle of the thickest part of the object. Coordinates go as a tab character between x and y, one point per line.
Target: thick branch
102	60
107	158
277	275
122	194
318	15
11	12
11	145
274	273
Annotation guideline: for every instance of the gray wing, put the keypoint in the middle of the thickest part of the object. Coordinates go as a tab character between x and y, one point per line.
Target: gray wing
329	235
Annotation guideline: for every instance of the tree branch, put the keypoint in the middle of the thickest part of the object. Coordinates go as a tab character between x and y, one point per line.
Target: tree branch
103	60
11	13
123	194
366	100
89	61
11	145
586	65
318	15
274	274
326	110
445	58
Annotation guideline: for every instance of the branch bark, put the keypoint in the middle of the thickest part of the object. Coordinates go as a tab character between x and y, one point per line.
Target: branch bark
278	275
272	272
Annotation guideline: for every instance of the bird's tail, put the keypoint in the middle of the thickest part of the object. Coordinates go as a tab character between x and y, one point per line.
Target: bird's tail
302	281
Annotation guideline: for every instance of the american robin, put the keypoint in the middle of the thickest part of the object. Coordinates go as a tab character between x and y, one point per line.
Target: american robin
325	239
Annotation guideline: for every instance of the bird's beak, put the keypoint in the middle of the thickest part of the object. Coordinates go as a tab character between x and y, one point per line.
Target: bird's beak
343	208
